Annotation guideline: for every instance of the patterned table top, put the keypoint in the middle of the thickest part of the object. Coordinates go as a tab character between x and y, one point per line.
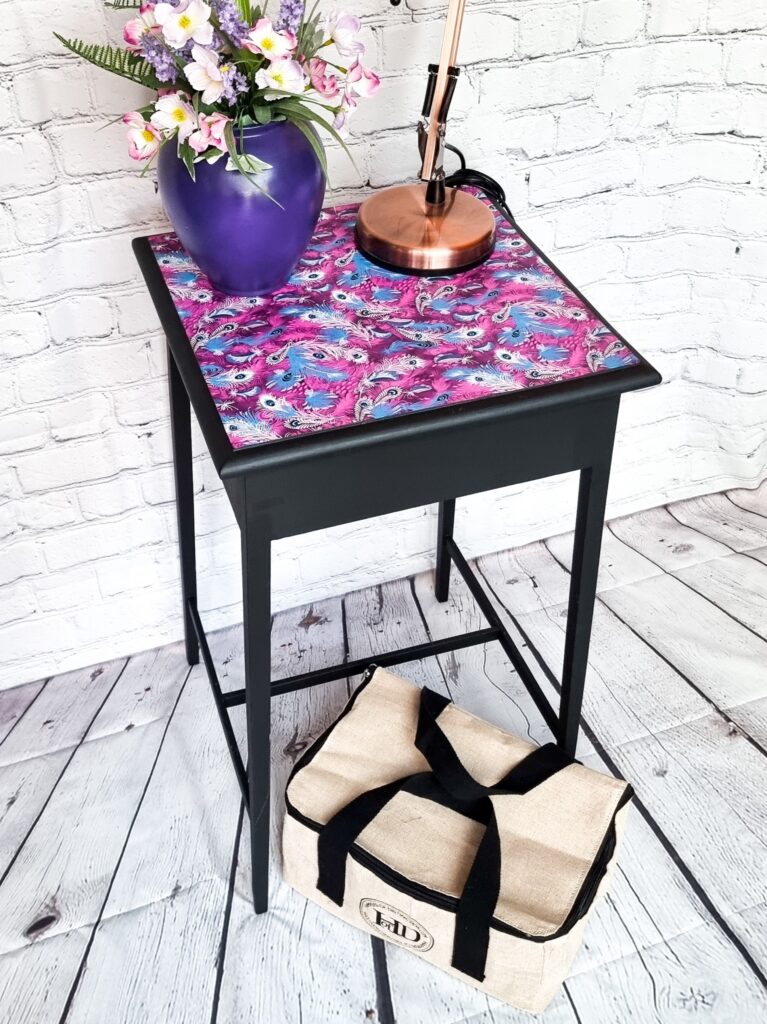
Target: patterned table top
345	341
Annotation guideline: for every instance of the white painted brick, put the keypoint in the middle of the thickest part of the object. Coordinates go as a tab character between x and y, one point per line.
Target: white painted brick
109	498
621	300
22	333
73	588
708	111
688	253
144	405
528	136
548	29
696	208
746	213
747	61
706	159
113	95
751	258
102	539
675	17
68	372
77	317
20	432
736	15
28	27
80	416
612	21
38	274
752	117
20	560
595	263
485	36
143	569
26	162
682	63
581	127
64	463
18	603
83	150
582	176
43	94
642	117
51	511
123	202
8	116
35	636
578	225
58	213
540	83
634	215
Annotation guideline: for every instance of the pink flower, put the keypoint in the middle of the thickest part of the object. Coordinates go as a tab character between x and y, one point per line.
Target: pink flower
137	27
324	81
345	111
210	133
143	138
362	81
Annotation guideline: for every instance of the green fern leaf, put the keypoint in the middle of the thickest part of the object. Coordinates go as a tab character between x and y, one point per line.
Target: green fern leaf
111	58
122	5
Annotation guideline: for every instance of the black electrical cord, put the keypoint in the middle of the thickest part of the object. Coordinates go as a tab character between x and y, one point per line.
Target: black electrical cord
468	176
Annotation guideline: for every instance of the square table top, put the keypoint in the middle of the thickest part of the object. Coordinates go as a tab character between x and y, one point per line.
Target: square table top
346	342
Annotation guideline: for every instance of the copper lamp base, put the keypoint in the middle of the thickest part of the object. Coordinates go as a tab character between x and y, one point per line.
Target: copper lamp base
399	228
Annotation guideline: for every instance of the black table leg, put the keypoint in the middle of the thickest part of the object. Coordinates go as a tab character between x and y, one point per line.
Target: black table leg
592	497
256	600
181	431
445	525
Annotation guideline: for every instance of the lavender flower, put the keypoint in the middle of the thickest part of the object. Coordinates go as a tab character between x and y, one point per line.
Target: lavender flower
160	56
289	16
234	83
231	22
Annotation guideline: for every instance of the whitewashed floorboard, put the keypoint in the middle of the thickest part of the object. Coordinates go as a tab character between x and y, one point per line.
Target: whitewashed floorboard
14	703
662	539
174	874
726	660
717	517
617	565
59	880
37	750
296	963
737	584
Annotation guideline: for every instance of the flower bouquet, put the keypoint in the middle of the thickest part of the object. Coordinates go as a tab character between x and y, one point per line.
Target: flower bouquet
243	97
224	66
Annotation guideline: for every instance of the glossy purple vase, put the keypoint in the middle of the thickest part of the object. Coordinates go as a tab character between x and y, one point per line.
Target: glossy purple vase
245	243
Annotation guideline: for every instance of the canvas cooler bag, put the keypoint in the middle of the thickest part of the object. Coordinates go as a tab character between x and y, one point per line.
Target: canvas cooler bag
430	828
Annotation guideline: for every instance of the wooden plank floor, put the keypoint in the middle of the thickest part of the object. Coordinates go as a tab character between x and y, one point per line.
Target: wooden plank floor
124	876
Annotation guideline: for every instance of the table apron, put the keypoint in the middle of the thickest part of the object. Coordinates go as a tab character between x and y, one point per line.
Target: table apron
353	483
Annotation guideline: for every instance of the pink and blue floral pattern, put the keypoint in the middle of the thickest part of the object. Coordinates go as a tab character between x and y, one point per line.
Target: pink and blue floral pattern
345	341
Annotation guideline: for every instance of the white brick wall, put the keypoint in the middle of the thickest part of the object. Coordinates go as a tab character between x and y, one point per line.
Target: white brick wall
630	136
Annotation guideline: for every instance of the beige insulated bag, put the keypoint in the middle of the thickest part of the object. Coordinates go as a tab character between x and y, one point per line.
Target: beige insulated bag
480	852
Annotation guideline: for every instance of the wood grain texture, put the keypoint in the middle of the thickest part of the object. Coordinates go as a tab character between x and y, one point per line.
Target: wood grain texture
664	540
736	584
754	500
173	876
14	703
58	882
714	516
295	963
726	660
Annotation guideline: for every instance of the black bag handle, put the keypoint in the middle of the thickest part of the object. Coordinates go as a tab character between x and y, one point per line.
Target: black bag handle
450	784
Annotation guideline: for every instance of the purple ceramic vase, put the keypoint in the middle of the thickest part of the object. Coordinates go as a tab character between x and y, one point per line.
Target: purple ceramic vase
245	243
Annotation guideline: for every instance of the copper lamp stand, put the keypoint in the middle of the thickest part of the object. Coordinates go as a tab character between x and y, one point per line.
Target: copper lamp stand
429	227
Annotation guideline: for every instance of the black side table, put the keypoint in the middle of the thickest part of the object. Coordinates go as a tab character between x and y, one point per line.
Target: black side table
355	392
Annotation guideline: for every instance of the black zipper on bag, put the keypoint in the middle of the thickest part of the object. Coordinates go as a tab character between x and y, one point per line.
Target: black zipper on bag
443	901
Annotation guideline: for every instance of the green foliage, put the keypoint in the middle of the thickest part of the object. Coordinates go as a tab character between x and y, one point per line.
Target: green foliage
111	58
242	163
123	5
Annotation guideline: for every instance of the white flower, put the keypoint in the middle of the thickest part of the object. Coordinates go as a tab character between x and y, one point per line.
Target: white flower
205	75
143	139
190	20
265	39
281	76
343	29
173	113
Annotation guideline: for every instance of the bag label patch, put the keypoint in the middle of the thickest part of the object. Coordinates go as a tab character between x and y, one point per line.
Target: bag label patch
394	925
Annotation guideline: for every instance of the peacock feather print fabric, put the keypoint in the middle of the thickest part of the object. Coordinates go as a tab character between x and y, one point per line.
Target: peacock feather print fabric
346	341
